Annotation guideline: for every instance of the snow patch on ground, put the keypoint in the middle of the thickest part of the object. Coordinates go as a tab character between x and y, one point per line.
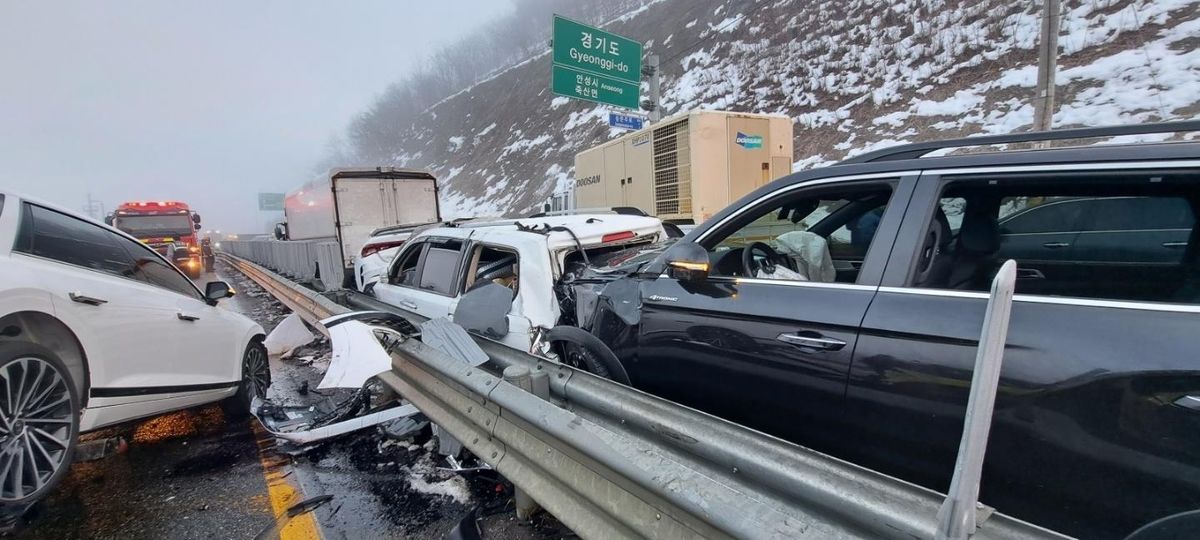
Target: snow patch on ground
581	119
454	487
728	25
524	145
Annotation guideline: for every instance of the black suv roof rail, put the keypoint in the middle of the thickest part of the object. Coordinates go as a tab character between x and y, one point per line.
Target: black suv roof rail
916	150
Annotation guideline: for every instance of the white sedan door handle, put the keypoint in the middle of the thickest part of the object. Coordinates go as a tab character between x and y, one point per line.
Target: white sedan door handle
185	317
408	304
84	299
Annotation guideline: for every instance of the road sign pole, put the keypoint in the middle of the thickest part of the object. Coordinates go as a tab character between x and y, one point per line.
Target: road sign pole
656	112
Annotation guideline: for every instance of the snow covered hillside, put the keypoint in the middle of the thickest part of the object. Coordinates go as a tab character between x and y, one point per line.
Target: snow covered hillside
855	75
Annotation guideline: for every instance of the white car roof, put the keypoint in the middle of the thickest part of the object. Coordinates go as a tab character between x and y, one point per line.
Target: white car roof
590	229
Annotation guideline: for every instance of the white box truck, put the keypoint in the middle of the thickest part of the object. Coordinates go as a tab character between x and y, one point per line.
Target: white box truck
685	168
347	204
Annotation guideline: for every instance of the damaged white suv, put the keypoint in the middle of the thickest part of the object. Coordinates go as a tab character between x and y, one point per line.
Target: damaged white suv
96	329
526	256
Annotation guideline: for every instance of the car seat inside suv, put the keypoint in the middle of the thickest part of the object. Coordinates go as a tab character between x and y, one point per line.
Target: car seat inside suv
935	260
976	245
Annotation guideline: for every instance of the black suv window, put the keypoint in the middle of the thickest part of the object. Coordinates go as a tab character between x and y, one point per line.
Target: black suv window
1118	239
825	235
1021	215
1138	213
53	235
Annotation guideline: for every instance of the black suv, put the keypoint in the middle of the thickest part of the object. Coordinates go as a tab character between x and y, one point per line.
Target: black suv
840	308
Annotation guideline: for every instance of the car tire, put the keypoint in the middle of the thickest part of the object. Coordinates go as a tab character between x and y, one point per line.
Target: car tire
256	379
43	429
579	349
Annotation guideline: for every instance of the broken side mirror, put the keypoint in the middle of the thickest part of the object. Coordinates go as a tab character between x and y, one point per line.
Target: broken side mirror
217	290
687	261
484	310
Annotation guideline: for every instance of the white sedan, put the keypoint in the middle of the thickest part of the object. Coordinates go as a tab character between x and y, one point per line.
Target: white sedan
376	254
98	329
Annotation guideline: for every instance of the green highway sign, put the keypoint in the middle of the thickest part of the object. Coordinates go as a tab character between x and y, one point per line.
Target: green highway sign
595	65
583	85
270	201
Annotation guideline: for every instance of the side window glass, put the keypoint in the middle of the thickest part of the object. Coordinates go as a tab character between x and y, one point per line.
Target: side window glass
149	267
405	270
815	237
1	204
1070	237
1035	215
439	269
73	241
1140	214
492	265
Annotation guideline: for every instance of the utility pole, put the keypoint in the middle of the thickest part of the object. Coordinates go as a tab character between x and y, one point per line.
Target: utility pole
1043	103
654	104
94	208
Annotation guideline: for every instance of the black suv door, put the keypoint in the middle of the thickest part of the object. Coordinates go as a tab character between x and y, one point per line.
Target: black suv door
766	348
1095	432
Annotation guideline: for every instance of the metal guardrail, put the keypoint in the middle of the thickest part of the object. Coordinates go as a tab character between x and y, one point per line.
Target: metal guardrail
308	304
613	462
296	259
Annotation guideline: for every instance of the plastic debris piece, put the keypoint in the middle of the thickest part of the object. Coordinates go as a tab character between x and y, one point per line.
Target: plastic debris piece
357	356
289	335
453	340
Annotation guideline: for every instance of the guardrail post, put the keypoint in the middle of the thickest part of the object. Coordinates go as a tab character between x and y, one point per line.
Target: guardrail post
956	518
541	384
519	376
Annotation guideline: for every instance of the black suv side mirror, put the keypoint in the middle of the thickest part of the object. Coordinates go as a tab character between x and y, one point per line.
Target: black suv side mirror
687	261
216	290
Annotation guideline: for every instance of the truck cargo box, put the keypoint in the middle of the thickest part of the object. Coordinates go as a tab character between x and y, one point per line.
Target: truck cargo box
347	204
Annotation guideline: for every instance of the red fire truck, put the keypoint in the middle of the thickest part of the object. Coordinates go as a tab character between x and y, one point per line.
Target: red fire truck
167	226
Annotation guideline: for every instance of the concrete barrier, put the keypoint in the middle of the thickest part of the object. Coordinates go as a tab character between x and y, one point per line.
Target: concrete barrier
304	261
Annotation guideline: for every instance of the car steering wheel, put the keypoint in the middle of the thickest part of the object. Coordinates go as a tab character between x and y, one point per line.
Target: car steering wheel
770	259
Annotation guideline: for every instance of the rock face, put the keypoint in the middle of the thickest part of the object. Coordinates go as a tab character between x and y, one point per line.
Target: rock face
855	75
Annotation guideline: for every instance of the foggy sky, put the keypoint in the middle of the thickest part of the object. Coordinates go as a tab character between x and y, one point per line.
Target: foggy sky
204	102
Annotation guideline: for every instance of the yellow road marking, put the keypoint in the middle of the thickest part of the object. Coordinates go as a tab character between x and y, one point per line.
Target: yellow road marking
282	491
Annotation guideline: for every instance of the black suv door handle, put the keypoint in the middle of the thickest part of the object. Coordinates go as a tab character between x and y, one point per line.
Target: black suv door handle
1030	273
813	341
83	299
1174	245
1056	245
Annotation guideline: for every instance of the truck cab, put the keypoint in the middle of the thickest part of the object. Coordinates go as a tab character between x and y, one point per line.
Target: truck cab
168	227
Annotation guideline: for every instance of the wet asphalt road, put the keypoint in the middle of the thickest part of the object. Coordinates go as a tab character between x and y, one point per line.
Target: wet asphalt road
191	474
